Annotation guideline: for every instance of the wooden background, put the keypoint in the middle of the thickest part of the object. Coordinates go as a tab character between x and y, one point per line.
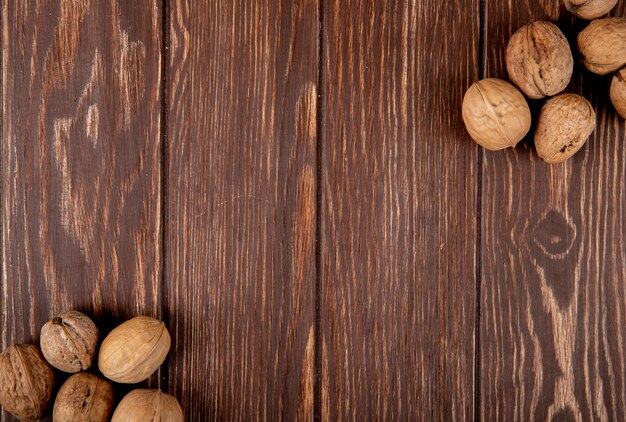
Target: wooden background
289	186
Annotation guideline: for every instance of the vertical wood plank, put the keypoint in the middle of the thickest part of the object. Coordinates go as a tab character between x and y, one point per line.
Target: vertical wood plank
553	323
399	211
242	119
80	161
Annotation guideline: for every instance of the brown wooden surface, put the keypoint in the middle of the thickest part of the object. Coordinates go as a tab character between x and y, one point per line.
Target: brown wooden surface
80	162
241	207
288	184
553	305
398	211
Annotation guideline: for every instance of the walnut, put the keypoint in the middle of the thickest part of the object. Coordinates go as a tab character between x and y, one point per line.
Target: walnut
618	92
539	60
69	341
134	350
26	382
84	397
565	123
148	406
496	114
602	45
590	9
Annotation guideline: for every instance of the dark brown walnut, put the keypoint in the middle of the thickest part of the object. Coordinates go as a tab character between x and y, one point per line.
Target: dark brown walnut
69	341
565	123
602	45
148	406
589	9
618	92
539	60
84	397
26	382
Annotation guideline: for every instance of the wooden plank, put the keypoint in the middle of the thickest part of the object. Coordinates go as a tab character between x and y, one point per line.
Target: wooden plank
80	161
242	79
399	211
553	325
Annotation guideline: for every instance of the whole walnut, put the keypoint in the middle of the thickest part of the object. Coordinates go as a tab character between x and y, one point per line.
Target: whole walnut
134	350
590	9
26	382
539	60
84	397
69	341
618	92
565	123
496	114
602	45
148	406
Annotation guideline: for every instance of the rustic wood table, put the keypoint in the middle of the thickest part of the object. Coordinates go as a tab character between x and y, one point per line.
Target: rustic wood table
288	184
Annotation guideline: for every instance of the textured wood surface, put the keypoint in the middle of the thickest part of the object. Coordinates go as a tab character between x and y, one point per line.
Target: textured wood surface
398	211
241	207
80	162
553	306
288	184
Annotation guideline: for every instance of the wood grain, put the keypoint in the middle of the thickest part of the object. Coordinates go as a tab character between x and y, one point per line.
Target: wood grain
242	120
80	162
553	308
398	211
421	235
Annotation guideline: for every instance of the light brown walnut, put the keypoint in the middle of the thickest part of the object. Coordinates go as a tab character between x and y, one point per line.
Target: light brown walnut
618	92
134	350
26	382
589	9
148	406
84	397
496	114
539	60
602	45
565	123
69	341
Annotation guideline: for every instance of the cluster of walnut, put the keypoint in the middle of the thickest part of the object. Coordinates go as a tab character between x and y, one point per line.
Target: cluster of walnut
69	342
540	64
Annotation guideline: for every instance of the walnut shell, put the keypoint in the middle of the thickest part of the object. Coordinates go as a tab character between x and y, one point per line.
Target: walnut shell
565	123
69	341
602	45
134	350
26	382
148	406
618	92
589	9
84	397
496	114
539	60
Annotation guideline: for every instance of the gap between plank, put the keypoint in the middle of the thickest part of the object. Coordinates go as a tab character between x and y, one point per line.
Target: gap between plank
317	384
164	375
2	156
3	303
